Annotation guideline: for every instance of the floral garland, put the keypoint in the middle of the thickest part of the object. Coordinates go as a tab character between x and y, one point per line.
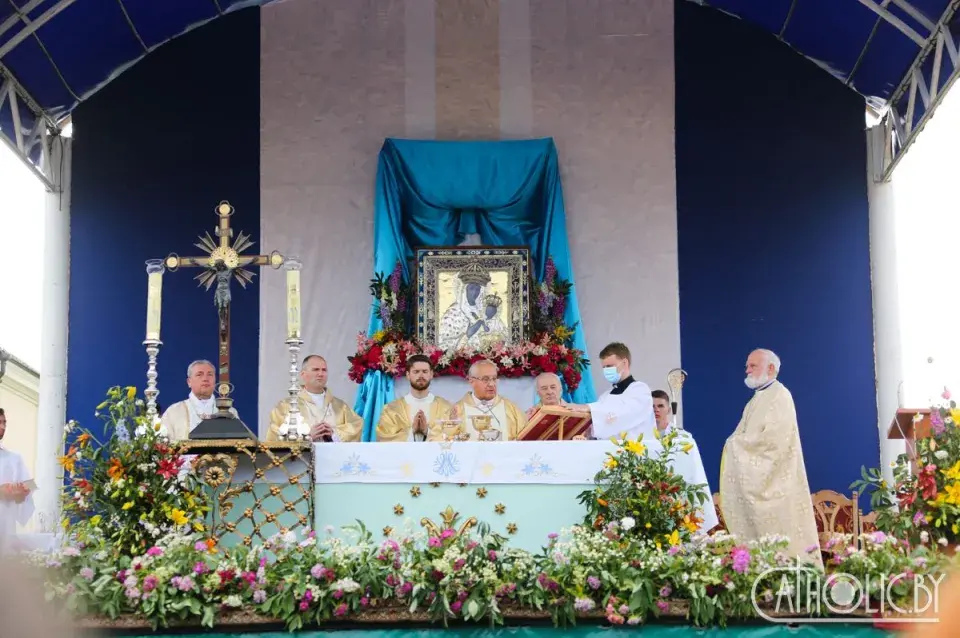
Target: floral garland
388	352
444	576
131	488
551	349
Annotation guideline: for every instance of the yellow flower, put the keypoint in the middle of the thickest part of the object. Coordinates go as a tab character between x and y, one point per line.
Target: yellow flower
955	415
686	447
955	528
953	474
131	392
198	527
378	335
674	538
179	517
636	447
68	462
648	525
95	520
127	505
610	463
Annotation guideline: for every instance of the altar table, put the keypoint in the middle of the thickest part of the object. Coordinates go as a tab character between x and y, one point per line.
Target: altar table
523	490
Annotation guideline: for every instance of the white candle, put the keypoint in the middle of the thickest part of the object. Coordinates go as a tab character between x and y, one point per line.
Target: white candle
292	266
154	289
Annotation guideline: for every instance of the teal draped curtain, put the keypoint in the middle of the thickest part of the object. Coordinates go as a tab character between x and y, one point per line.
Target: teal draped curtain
433	193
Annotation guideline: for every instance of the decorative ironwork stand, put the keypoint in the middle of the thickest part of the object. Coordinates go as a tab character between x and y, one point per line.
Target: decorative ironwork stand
255	507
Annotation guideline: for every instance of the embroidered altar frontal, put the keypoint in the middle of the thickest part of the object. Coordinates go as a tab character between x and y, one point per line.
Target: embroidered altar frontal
523	490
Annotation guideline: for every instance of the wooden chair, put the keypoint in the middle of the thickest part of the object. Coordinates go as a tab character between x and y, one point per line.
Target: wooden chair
835	515
721	525
868	523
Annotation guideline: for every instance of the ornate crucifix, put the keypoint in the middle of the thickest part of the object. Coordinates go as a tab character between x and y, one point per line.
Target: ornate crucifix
222	263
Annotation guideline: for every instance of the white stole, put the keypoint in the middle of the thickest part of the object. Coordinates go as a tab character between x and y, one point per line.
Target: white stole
415	405
497	414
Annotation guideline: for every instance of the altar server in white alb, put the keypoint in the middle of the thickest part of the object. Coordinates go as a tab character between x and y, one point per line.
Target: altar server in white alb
416	416
625	409
16	501
763	481
182	417
663	411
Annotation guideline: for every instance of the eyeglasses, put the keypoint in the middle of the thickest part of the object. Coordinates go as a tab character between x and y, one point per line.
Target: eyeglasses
485	379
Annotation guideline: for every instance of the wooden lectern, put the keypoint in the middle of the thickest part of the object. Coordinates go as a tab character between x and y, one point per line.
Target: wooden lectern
554	423
906	428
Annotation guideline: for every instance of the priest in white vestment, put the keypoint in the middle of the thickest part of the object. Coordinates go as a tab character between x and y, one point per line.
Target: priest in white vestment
763	480
416	416
182	417
484	404
330	419
16	500
626	409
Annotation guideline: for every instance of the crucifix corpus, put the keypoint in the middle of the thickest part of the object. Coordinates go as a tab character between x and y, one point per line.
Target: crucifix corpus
223	263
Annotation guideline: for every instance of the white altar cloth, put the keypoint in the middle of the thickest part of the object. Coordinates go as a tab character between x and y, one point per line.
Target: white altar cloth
522	391
490	463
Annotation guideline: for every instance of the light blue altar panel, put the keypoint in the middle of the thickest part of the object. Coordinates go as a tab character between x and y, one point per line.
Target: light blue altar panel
434	193
536	510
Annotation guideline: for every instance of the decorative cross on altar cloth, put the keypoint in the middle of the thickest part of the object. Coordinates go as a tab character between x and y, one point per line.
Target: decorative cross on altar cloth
223	262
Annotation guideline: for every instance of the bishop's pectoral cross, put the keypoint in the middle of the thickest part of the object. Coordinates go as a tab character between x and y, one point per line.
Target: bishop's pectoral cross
223	262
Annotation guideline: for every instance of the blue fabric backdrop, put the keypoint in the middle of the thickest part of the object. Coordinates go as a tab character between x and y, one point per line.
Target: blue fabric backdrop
146	180
774	244
434	193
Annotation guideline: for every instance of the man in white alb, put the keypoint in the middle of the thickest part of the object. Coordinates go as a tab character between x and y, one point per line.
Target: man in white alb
414	417
330	419
626	408
484	404
16	501
182	417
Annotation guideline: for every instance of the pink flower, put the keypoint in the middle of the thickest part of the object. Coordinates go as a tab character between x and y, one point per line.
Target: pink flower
741	559
200	546
456	606
447	533
662	605
156	551
492	555
434	542
946	394
341	610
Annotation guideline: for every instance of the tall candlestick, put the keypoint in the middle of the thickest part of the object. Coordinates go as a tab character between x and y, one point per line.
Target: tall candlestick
154	287
292	266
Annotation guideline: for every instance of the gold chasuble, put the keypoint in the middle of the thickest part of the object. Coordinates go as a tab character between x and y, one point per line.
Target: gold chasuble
396	422
763	481
504	416
347	424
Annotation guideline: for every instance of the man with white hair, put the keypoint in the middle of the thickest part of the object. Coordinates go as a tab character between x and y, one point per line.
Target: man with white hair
763	481
182	417
549	390
484	405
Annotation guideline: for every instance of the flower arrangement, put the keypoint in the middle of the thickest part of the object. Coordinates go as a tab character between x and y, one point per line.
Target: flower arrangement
392	296
387	351
550	350
550	303
445	574
643	493
133	487
922	507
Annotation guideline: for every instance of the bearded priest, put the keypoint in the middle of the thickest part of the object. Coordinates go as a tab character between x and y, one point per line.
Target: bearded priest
180	418
763	481
329	418
416	416
487	404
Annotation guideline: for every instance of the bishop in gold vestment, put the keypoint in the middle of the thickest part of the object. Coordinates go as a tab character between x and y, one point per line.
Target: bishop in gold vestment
329	418
485	401
763	481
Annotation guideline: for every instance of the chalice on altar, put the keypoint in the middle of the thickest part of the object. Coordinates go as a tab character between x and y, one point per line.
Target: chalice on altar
450	429
481	423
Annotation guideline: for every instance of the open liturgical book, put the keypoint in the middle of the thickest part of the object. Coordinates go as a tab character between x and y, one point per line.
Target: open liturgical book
555	423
